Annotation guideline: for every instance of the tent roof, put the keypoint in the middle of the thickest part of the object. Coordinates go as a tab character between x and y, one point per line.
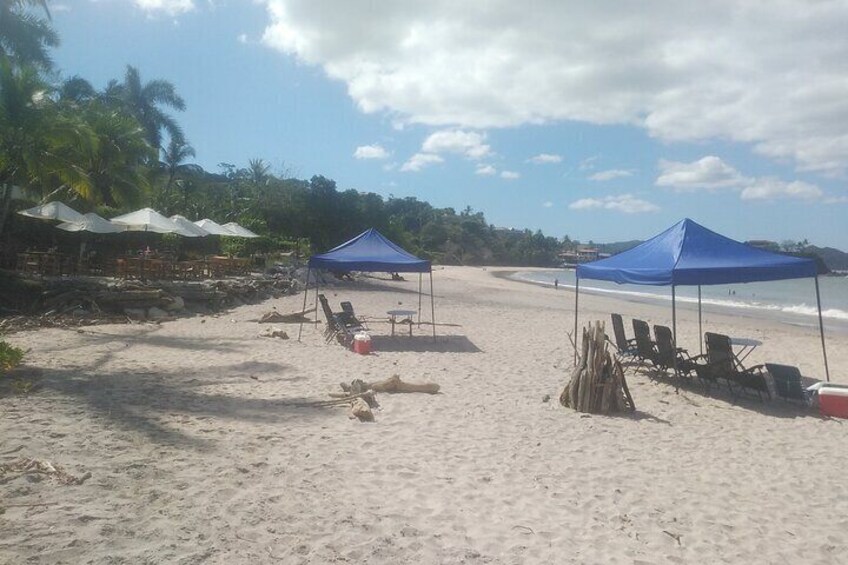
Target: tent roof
147	219
369	251
239	231
212	227
189	228
93	223
689	254
53	211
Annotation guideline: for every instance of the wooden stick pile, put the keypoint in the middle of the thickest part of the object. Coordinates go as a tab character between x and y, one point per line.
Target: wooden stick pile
597	384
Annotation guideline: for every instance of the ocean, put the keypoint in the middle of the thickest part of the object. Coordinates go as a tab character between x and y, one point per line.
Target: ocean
790	301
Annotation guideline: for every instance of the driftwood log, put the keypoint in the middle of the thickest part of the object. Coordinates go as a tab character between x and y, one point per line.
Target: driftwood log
597	385
393	384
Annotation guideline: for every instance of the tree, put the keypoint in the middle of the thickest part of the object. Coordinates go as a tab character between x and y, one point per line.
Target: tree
24	37
145	101
36	138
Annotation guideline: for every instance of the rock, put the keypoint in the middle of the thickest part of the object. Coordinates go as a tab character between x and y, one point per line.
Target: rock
135	313
155	313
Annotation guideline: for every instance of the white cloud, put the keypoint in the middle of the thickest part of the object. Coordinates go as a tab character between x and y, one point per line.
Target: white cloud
625	203
485	170
545	158
370	152
170	7
768	74
772	188
510	175
242	38
610	175
419	161
468	143
836	200
548	204
709	172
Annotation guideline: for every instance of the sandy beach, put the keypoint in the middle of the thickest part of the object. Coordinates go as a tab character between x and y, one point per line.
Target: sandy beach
197	452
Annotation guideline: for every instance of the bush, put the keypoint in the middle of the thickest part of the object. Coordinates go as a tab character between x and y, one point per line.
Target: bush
10	356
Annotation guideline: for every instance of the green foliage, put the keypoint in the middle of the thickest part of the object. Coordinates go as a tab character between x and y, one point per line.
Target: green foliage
10	356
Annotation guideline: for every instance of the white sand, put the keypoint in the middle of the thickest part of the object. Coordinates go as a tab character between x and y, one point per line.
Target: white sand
196	455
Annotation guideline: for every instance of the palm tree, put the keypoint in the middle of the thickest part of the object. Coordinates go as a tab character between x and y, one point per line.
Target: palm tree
35	138
173	165
24	37
144	101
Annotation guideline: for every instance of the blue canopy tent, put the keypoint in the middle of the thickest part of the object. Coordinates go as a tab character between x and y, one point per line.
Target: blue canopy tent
371	251
689	254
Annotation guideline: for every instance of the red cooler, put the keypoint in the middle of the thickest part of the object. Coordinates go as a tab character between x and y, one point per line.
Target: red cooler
833	401
362	343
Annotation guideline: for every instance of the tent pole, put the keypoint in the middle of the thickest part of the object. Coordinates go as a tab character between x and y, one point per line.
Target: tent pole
700	325
432	305
821	330
576	304
419	298
673	316
305	293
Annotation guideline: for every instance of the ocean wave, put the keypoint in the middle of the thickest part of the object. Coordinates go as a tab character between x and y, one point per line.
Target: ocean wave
797	309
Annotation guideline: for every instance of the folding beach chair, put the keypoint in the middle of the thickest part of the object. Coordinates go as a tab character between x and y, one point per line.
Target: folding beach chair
670	357
626	347
645	348
338	326
722	364
787	382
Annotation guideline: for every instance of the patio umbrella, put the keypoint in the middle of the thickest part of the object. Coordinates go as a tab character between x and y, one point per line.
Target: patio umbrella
53	211
190	228
213	228
239	231
148	220
93	223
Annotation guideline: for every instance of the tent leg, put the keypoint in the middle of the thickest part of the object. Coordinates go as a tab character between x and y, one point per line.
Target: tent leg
576	304
432	306
821	330
673	316
305	294
700	324
419	299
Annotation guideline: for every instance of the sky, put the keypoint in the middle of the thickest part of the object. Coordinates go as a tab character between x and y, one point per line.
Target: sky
600	120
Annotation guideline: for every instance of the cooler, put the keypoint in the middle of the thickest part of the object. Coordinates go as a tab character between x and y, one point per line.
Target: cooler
362	343
833	401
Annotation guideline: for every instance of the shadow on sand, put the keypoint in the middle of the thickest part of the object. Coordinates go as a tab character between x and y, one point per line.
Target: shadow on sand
424	343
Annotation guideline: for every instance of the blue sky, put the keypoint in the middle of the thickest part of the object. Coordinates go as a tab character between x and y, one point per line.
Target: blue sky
588	119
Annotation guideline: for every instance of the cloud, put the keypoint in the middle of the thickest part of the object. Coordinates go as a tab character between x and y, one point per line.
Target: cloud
548	204
510	175
169	7
467	143
60	8
242	38
709	172
485	170
545	158
836	200
370	152
772	188
625	203
610	175
767	74
419	161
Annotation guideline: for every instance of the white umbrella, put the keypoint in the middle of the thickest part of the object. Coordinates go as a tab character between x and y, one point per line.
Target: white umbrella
239	231
53	211
149	220
93	223
213	228
190	228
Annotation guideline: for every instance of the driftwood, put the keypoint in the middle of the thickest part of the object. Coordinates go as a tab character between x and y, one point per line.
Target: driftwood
597	384
293	318
393	384
359	409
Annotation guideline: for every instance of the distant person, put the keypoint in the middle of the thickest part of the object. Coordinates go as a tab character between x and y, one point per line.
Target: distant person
556	284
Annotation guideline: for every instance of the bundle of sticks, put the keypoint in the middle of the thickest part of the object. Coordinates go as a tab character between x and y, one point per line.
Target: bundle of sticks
597	384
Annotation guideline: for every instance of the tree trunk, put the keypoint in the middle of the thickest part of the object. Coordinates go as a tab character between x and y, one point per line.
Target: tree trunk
5	205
